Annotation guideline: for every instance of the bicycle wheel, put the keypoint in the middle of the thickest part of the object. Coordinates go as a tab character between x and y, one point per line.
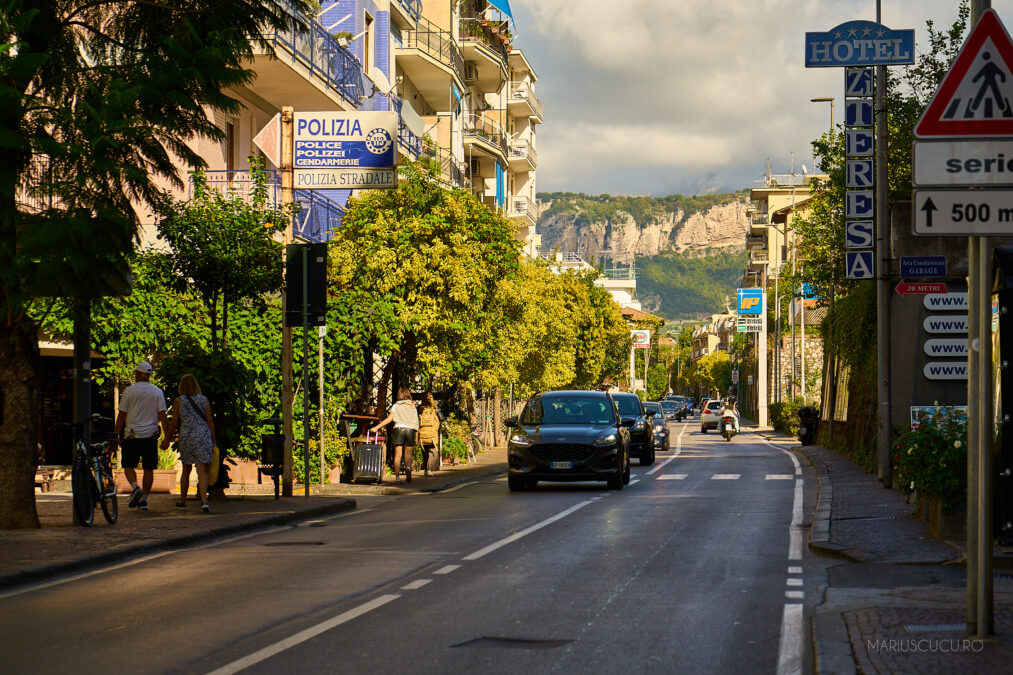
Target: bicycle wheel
84	498
107	492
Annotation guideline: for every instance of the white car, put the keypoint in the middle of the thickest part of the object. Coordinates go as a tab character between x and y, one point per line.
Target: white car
710	415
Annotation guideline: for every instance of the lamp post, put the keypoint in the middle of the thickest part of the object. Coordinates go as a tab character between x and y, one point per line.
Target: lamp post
826	99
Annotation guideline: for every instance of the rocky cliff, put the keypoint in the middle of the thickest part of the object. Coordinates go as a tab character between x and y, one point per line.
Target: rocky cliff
622	228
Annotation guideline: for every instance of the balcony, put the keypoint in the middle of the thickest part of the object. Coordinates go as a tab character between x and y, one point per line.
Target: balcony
523	156
318	215
441	165
432	60
307	69
758	224
485	135
524	209
758	259
756	242
483	48
405	14
523	102
408	143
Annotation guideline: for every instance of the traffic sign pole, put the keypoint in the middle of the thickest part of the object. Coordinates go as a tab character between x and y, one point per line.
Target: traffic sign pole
882	270
287	197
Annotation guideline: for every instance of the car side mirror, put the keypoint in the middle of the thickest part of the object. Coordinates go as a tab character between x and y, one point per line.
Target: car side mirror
510	422
627	421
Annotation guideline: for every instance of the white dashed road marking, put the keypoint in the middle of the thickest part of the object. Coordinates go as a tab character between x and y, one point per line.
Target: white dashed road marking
415	585
673	476
726	476
779	476
447	570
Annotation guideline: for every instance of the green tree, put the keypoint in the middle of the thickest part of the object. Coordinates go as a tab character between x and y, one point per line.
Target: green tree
97	99
222	246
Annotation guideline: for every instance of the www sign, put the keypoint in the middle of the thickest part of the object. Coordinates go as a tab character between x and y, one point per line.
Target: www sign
945	370
956	323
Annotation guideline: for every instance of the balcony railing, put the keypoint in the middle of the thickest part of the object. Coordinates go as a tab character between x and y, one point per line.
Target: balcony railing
759	258
760	219
413	7
439	44
522	91
317	218
440	163
320	52
480	31
524	150
756	241
488	129
408	140
524	206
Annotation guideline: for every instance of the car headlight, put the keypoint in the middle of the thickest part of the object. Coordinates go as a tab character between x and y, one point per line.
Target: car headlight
606	439
639	425
520	439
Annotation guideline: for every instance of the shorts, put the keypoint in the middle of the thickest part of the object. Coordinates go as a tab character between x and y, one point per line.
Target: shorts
145	449
403	436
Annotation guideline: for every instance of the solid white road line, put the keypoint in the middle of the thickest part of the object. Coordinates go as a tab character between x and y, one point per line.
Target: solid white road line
678	449
634	482
523	533
302	636
726	476
447	569
673	476
84	575
795	531
789	653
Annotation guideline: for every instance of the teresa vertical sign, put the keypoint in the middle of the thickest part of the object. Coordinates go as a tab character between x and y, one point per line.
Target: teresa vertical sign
859	43
345	150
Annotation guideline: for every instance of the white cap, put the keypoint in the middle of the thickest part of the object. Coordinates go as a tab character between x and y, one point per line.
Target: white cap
143	367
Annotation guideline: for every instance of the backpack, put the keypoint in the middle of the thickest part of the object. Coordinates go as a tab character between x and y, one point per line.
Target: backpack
429	426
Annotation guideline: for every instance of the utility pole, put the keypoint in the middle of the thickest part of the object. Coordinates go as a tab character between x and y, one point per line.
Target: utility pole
882	274
287	198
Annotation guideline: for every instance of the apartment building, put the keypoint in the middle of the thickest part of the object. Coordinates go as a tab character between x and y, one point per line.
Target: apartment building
446	67
714	336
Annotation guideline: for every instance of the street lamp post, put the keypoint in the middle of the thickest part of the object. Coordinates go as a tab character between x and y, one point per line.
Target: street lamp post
826	99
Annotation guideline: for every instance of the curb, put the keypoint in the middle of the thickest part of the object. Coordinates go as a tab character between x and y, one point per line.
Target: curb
60	569
819	532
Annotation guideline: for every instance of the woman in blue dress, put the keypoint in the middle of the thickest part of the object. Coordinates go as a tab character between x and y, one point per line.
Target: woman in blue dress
191	417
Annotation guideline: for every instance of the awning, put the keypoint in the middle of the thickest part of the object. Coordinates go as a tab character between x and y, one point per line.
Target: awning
411	119
503	6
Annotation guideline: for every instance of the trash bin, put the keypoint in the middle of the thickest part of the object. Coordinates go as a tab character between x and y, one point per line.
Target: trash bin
808	420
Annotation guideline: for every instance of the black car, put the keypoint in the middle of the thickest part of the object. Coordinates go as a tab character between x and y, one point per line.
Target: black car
674	410
569	436
642	432
660	422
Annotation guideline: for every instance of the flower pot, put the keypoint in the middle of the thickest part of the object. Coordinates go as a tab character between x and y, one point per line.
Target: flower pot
165	481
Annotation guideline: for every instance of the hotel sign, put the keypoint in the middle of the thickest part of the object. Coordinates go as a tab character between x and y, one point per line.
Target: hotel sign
859	43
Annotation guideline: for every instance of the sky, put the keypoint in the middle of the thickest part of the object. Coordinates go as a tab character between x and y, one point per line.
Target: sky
655	97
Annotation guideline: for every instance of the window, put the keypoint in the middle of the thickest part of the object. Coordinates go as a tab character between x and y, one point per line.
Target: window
367	45
230	146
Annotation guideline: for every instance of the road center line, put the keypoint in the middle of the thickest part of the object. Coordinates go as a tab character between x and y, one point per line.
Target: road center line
447	569
523	533
302	636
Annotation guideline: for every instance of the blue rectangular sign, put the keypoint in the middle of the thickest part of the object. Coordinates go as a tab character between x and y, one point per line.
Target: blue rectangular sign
859	43
860	265
345	140
750	301
930	266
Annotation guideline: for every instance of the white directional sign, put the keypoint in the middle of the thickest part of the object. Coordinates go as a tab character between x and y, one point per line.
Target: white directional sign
945	323
946	370
963	163
269	140
963	212
946	347
945	301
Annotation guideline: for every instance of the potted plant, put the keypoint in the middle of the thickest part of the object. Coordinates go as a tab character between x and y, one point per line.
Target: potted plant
166	475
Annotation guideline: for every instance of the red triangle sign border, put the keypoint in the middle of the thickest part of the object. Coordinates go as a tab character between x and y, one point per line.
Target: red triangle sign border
931	124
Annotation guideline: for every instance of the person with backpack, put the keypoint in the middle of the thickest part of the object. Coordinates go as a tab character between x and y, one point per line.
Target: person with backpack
430	420
406	424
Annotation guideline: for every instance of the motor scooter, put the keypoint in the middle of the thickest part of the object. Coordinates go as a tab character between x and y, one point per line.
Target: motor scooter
729	423
808	420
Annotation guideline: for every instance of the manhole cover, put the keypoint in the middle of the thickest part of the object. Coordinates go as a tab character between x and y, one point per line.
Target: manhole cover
513	643
294	543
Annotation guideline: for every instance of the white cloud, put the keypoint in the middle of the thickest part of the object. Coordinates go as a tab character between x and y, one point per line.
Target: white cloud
716	87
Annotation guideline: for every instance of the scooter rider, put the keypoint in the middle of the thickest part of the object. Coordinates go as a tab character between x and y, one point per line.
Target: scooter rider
729	408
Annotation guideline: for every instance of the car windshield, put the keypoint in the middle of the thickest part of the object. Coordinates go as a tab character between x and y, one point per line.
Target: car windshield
649	406
550	409
628	405
670	405
714	405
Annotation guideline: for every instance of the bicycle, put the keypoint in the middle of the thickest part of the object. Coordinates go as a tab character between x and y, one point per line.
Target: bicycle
91	478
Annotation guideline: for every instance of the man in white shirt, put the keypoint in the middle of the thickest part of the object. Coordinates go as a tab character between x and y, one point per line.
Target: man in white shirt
141	409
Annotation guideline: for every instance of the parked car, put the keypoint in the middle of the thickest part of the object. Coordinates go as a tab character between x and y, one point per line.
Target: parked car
642	432
674	410
710	415
569	436
660	422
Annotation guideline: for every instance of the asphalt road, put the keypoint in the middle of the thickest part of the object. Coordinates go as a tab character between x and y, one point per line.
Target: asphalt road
692	568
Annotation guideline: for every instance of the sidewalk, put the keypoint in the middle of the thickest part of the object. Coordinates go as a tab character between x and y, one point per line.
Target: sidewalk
896	603
60	547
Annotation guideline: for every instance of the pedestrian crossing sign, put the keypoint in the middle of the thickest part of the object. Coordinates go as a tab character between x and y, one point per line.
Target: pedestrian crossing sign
975	98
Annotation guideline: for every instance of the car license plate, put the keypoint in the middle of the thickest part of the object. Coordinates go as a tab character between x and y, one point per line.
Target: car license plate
561	465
